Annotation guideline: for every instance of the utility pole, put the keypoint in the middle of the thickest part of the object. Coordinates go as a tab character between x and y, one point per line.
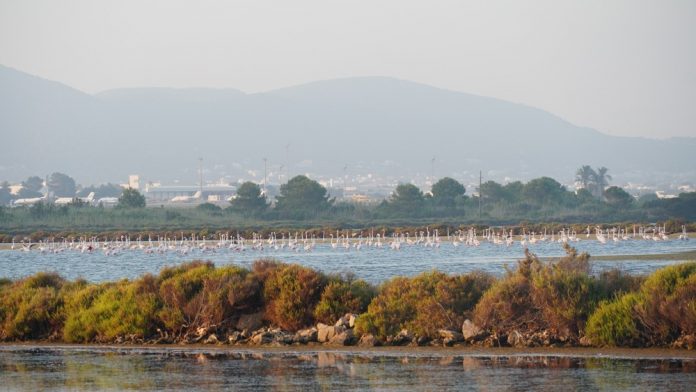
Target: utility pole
265	171
287	162
432	171
480	191
200	175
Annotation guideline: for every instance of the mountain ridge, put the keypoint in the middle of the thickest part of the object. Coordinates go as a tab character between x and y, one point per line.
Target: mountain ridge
371	123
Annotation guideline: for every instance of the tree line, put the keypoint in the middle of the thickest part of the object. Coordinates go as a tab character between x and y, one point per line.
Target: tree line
544	198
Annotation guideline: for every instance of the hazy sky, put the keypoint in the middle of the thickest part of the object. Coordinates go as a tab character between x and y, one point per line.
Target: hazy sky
622	67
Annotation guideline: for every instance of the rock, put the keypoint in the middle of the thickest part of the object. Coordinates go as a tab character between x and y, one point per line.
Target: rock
250	322
422	340
585	341
282	337
516	339
201	332
471	331
345	338
305	336
212	339
453	336
234	337
325	332
402	338
348	321
368	340
685	341
261	336
351	320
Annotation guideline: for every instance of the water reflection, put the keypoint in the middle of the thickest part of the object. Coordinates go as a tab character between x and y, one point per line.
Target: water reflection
163	369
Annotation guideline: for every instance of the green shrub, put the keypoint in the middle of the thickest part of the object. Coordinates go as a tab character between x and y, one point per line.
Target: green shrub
340	297
291	293
613	323
79	324
120	309
30	308
557	296
423	304
662	310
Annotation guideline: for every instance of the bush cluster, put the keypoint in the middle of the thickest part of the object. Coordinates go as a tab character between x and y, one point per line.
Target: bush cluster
561	298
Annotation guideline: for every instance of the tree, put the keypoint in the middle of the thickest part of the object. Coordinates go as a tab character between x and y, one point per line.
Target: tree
543	190
492	191
602	181
586	177
33	184
104	190
446	191
618	197
249	199
301	195
5	195
131	198
31	188
61	185
407	197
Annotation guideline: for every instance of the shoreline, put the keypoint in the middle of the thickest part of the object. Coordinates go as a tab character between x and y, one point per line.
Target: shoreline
674	256
650	353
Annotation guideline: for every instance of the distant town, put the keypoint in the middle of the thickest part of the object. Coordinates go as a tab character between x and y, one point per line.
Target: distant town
356	188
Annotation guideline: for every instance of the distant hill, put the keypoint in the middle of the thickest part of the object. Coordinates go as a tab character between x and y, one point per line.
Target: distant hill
372	124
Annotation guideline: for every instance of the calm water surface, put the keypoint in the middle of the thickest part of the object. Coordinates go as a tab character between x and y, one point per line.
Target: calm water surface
372	264
58	369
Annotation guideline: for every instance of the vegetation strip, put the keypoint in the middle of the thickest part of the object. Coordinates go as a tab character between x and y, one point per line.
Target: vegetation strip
550	304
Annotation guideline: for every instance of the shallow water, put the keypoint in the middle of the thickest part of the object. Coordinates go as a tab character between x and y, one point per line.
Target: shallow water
372	264
59	369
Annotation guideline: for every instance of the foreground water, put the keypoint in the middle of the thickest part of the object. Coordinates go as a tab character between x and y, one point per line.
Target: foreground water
24	368
372	264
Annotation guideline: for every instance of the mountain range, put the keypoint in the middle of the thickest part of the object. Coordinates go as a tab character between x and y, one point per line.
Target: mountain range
366	124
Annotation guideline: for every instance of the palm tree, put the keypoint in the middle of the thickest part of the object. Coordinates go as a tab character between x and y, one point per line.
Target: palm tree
602	181
585	176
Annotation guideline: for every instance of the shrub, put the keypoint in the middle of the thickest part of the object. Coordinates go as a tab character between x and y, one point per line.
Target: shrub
291	293
557	296
662	310
30	308
613	323
423	304
116	310
340	297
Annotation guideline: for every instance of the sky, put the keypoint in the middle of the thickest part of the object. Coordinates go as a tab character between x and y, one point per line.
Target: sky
625	68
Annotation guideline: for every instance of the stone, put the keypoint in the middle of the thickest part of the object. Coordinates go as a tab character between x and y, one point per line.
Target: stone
261	336
368	340
685	341
351	320
305	336
212	339
585	341
348	321
402	338
516	339
325	332
234	337
450	335
471	331
251	322
345	338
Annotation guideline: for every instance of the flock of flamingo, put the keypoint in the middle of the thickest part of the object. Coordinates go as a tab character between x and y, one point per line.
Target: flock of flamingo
342	240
